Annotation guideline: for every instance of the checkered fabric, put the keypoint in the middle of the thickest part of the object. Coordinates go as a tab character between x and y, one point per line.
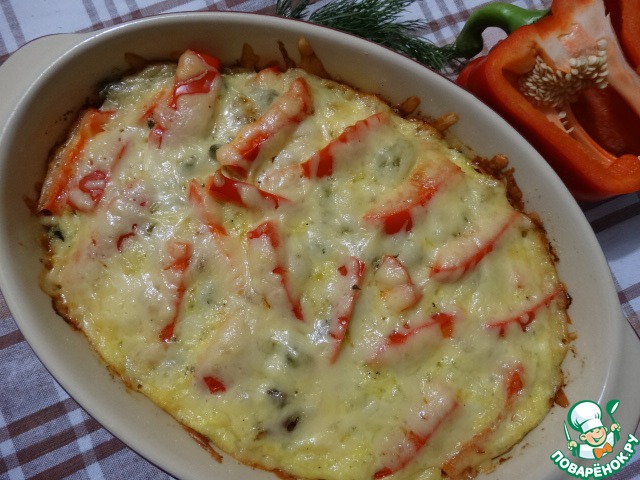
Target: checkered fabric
44	434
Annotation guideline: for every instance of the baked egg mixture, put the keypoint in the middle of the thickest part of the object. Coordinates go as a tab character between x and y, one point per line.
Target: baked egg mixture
316	285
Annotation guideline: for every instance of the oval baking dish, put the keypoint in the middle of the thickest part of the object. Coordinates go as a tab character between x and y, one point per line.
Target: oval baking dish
61	72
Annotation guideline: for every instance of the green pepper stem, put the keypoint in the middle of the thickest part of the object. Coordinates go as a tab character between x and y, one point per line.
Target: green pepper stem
505	16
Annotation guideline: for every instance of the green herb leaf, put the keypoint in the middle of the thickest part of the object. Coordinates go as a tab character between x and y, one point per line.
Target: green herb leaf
375	20
284	8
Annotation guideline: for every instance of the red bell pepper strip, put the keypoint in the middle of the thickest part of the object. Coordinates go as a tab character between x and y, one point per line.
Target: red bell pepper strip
206	212
442	320
179	254
209	212
267	232
450	266
153	120
524	318
544	79
266	136
397	215
348	283
457	465
322	162
227	189
86	194
396	285
150	107
121	239
514	384
62	171
417	435
156	135
184	112
214	384
93	184
195	74
399	337
266	72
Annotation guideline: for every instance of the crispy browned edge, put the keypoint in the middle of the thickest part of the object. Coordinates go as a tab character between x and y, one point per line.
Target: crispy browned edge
496	167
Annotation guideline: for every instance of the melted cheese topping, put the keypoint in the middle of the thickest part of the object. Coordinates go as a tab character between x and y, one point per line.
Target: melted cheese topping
315	284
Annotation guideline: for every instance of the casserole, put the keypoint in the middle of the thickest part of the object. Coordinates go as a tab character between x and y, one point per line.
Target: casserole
37	114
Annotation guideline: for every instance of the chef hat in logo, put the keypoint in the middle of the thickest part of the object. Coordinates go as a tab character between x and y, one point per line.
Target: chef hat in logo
585	416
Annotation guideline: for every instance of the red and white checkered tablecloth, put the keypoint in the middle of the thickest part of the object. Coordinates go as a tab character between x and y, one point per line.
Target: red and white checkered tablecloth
44	434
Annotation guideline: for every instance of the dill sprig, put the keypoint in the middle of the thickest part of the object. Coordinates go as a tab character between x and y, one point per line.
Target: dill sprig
285	8
375	20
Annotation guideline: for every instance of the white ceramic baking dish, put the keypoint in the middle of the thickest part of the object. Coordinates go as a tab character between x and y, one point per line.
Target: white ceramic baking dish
53	76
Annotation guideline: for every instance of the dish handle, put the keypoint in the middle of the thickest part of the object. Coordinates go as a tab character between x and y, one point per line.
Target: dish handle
28	63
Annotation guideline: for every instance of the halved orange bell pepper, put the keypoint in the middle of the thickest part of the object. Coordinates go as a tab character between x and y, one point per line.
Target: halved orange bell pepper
566	83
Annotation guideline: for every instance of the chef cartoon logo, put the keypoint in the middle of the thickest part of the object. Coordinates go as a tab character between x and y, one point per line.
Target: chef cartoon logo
596	440
592	440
